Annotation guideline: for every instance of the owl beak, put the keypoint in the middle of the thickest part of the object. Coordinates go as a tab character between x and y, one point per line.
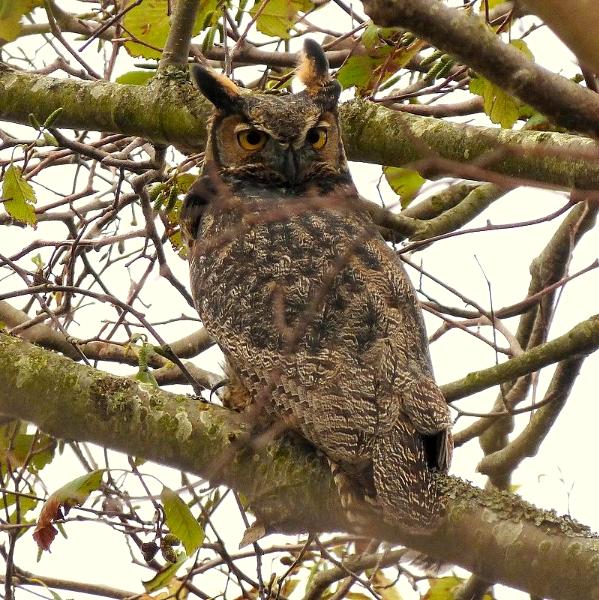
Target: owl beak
291	166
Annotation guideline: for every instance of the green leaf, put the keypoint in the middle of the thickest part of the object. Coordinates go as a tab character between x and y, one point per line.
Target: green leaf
501	108
404	182
185	181
380	41
18	196
8	499
523	47
11	13
40	448
179	246
357	70
24	504
145	376
36	451
278	16
149	23
163	578
136	77
78	490
207	16
181	521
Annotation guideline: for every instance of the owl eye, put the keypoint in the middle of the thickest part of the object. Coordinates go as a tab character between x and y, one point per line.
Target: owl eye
317	137
251	139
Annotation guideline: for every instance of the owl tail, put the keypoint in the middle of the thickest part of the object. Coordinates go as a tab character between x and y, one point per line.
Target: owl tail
406	487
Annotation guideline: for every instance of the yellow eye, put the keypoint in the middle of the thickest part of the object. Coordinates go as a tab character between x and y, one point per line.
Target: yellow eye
251	139
317	137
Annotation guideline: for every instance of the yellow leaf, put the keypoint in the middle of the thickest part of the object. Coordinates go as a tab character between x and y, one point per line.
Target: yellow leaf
11	12
501	108
442	588
385	587
278	16
18	196
404	182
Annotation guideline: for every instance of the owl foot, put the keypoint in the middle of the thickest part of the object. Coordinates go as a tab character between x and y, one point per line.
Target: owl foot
217	386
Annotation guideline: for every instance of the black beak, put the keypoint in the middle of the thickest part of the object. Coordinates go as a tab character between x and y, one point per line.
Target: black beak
290	166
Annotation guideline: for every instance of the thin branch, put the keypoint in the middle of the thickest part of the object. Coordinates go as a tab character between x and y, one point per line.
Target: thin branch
581	339
21	578
176	48
528	442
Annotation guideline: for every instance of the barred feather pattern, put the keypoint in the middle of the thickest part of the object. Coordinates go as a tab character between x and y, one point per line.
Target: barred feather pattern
320	323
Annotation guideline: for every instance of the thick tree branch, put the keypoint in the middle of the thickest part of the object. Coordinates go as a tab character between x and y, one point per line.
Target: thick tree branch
165	372
572	22
290	488
376	134
174	113
466	36
528	442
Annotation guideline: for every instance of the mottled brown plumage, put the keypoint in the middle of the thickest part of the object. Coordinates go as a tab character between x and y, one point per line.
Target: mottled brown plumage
312	309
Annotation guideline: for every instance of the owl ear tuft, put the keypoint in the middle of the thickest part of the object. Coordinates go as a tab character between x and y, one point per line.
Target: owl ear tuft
217	88
313	67
313	72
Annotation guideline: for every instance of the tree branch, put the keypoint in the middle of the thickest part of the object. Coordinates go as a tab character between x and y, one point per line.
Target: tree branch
466	37
496	535
23	578
176	114
528	442
581	339
176	49
571	23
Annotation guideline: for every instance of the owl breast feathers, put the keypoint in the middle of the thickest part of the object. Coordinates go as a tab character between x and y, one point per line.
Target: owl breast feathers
312	309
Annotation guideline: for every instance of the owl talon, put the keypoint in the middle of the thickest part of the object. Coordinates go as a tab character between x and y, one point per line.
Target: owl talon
217	386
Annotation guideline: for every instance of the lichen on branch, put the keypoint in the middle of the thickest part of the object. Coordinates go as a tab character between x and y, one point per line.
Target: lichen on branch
289	487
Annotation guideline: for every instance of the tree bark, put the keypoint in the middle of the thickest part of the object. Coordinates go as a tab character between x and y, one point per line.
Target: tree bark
468	38
170	111
496	535
572	22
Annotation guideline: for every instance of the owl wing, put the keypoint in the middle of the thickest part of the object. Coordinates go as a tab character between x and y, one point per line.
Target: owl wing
204	190
362	363
414	396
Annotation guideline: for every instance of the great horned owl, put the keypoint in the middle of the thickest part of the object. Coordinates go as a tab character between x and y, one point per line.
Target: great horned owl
312	309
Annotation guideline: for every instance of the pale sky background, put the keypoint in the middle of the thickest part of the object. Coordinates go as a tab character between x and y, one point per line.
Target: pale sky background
560	477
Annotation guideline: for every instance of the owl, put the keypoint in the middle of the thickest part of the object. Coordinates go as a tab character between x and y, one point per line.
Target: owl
318	321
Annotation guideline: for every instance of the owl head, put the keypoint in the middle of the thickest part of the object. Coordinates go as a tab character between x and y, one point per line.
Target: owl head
284	139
